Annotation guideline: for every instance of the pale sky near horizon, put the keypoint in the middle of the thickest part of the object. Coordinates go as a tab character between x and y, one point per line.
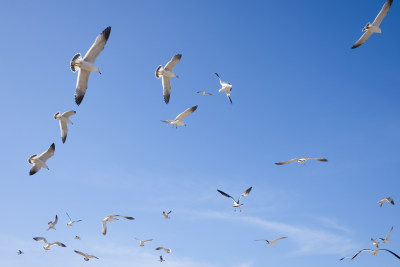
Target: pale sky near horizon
299	90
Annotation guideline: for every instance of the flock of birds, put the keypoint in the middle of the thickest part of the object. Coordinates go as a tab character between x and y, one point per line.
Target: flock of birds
85	65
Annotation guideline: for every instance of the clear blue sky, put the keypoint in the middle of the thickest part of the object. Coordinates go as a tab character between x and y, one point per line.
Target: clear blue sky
298	90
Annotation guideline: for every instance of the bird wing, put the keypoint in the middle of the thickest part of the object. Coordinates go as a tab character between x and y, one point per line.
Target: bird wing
387	237
68	114
147	240
57	243
229	97
187	112
260	240
92	256
81	253
394	254
55	220
286	162
68	216
35	168
277	239
166	83
126	217
81	85
382	14
362	39
171	64
159	248
104	228
64	130
48	153
40	239
319	159
225	194
355	255
169	212
76	221
245	193
200	92
98	45
208	93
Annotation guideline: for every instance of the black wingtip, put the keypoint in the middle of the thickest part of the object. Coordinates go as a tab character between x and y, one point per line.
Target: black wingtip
64	139
106	32
53	146
32	172
78	99
166	99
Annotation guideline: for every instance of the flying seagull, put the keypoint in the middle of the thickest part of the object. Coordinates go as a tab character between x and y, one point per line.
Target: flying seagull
386	239
168	250
204	93
166	74
387	199
369	29
64	120
300	160
47	245
86	256
179	119
141	242
77	237
52	224
373	251
161	259
271	243
166	215
86	64
39	162
236	203
375	243
226	87
111	218
19	252
71	221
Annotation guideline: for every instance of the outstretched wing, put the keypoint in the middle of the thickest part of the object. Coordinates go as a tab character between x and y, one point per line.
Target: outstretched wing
57	243
55	220
147	240
394	254
172	63
104	228
278	239
355	255
48	154
126	217
98	45
362	40
81	85
382	14
40	239
245	193
286	162
387	237
68	216
159	248
166	83
186	113
225	194
80	253
319	159
68	114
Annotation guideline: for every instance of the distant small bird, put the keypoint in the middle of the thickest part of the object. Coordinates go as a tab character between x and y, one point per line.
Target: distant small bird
71	221
387	199
64	120
369	29
86	64
47	245
203	93
39	162
271	243
386	240
166	215
52	224
236	204
141	242
375	243
168	250
86	256
19	252
166	74
301	160
111	218
77	237
226	87
373	252
179	119
161	259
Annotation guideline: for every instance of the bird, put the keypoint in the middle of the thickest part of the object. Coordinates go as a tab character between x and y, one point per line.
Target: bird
369	29
373	252
168	250
52	223
236	204
86	64
19	252
39	162
301	160
204	93
271	243
386	199
226	87
64	120
375	243
166	215
47	245
386	239
166	74
77	237
161	259
141	242
179	119
111	218
86	256
71	221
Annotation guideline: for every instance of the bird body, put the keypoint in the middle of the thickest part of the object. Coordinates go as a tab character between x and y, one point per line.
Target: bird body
179	119
375	243
166	215
47	245
39	162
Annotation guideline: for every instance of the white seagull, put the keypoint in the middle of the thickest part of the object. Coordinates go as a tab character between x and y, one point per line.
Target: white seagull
47	246
52	224
226	87
204	93
166	215
111	218
39	162
375	243
64	120
166	74
86	64
141	242
179	119
271	243
71	221
86	256
236	204
373	252
386	199
168	250
369	29
386	239
301	160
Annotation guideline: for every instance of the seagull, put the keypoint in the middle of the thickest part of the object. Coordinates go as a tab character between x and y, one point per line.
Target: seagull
111	218
386	240
166	74
77	237
236	203
64	120
39	162
387	199
166	215
168	250
86	256
48	246
204	93
369	29
373	251
300	160
179	119
52	224
271	243
143	241
161	259
375	243
226	87
86	64
19	252
71	221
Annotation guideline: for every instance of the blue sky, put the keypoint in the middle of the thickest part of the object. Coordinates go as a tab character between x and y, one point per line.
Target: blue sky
298	90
